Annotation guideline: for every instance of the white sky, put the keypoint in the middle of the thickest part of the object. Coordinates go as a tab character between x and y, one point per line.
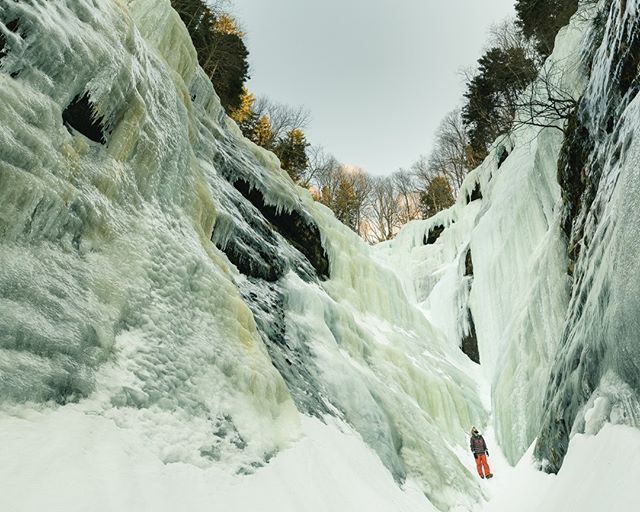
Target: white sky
376	75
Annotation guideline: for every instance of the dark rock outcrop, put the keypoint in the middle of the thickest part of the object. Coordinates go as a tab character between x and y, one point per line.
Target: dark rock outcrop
469	343
80	116
433	234
299	231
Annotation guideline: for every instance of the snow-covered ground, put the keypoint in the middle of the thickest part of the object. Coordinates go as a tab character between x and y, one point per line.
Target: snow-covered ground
68	460
600	473
72	459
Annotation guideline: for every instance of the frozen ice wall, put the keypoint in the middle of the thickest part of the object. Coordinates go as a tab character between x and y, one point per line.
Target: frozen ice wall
596	377
109	283
544	260
492	269
162	272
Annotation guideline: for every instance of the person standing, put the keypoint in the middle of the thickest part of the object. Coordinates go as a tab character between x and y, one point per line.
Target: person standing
480	452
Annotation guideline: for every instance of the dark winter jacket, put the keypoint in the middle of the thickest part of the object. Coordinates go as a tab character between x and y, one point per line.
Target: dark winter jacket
478	446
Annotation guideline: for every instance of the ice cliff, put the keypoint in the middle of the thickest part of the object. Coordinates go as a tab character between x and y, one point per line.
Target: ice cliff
536	264
162	272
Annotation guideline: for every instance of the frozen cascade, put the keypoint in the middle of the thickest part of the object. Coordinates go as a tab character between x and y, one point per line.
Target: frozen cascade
519	288
596	377
553	241
161	272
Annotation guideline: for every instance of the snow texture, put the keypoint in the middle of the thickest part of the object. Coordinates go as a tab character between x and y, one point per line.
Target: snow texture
84	462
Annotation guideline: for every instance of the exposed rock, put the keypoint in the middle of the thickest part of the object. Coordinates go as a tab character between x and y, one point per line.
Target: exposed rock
470	341
433	235
475	194
468	264
298	230
80	116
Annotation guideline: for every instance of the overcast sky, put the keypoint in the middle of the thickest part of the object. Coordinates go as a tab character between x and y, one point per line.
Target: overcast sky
376	75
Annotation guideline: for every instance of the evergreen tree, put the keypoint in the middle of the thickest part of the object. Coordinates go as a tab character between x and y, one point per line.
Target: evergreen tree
437	197
541	20
292	152
221	51
492	95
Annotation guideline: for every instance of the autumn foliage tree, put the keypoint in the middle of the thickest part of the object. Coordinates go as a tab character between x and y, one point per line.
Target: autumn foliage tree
219	44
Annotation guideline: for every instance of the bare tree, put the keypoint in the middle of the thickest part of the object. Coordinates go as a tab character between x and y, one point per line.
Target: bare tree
406	189
362	185
506	35
327	175
283	118
546	101
422	172
384	209
450	155
319	162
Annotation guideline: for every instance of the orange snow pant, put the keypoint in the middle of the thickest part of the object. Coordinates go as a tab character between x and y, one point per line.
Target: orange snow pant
482	465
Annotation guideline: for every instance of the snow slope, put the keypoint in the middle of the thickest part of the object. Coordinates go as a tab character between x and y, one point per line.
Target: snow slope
68	460
599	473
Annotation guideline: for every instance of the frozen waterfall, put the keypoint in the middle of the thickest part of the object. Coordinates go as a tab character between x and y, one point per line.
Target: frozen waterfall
182	327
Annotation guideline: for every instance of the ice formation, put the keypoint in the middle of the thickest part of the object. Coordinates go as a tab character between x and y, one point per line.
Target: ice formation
599	355
162	272
543	265
516	292
161	279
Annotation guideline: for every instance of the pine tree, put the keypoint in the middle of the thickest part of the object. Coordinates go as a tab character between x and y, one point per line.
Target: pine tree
437	197
541	20
492	95
292	152
221	51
